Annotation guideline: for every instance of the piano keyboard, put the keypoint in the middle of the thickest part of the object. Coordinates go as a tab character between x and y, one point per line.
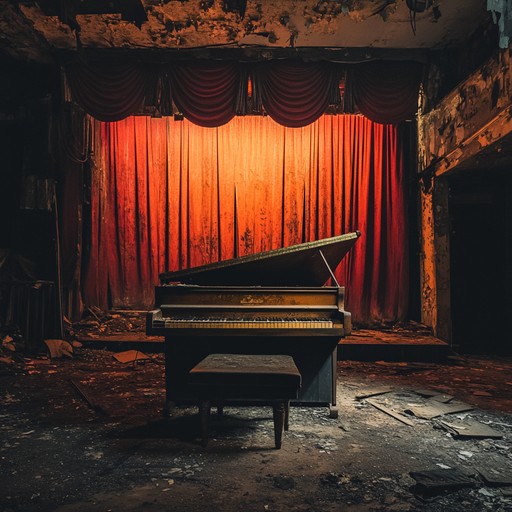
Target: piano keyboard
243	324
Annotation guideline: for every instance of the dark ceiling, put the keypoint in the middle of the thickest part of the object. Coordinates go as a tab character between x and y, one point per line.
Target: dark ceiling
39	30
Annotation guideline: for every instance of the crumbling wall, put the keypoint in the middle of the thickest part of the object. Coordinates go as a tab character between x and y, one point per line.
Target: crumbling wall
472	118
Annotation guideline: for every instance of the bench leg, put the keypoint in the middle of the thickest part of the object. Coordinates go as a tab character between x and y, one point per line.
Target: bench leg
279	413
287	414
204	413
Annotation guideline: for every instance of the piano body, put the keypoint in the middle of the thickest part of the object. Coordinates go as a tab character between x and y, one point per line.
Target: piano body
268	303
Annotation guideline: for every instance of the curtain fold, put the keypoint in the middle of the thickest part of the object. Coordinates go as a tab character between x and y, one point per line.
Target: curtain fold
385	91
295	94
110	91
206	92
169	195
210	93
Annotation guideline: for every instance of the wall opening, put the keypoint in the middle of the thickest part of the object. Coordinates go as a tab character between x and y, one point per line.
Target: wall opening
481	250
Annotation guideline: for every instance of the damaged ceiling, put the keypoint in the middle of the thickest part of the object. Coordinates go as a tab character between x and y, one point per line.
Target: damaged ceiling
39	30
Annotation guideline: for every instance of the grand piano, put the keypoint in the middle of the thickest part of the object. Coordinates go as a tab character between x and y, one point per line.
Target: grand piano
273	302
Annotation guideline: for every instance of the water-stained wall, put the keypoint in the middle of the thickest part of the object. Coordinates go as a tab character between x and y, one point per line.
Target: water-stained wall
471	125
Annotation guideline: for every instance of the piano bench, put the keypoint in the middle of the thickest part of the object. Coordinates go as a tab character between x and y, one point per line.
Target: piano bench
264	379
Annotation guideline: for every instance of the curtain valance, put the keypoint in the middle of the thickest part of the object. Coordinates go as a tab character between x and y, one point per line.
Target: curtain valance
210	93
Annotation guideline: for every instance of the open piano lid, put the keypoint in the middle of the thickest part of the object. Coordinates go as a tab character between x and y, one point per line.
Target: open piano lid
298	265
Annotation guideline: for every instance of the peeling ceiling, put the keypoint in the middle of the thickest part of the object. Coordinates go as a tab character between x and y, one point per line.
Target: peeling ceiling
38	30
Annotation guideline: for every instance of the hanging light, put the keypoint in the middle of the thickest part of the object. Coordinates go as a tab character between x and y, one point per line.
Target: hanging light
418	5
414	7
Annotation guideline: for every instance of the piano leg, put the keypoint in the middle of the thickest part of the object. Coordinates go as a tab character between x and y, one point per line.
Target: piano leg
204	413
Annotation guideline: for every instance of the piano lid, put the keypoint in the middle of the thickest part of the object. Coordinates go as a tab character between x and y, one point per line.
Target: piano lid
298	265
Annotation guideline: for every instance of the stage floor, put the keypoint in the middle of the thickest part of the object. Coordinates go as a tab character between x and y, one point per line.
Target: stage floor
399	342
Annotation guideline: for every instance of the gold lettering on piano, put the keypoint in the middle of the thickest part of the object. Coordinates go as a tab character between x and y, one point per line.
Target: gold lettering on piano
251	299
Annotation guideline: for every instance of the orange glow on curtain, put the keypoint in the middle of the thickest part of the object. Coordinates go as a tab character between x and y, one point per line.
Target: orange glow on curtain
168	195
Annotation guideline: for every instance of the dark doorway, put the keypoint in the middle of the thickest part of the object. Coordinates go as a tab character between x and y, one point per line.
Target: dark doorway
481	215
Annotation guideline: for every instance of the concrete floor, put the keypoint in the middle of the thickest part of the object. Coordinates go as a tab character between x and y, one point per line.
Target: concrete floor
59	453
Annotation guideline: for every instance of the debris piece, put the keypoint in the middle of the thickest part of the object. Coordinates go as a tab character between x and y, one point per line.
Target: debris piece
436	481
373	392
334	479
284	482
471	429
83	394
130	356
442	398
390	412
427	393
8	344
481	393
76	344
59	348
497	478
465	455
435	409
93	313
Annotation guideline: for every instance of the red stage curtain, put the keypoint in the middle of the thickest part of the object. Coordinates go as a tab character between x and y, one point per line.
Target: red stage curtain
168	195
385	91
206	92
293	93
110	91
210	93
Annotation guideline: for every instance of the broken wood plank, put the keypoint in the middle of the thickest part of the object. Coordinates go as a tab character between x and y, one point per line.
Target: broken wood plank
373	392
85	396
495	478
471	430
433	482
425	392
390	412
435	409
443	398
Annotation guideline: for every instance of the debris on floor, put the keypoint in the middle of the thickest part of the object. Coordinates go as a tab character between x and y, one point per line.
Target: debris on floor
86	434
433	482
130	356
59	348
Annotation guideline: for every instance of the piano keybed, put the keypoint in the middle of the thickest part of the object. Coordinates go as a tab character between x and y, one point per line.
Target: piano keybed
225	311
243	323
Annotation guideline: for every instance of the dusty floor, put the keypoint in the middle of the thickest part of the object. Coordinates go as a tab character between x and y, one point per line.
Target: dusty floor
57	453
